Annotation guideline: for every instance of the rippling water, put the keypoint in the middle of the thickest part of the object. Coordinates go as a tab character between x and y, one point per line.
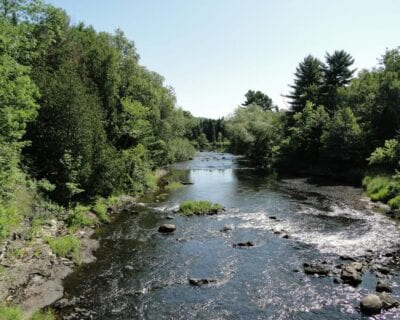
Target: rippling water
260	282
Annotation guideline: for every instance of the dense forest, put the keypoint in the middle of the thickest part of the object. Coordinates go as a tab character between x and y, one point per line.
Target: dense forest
339	126
80	117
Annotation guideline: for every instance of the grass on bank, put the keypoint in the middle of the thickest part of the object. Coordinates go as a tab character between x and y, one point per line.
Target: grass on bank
202	207
173	186
64	246
10	312
383	188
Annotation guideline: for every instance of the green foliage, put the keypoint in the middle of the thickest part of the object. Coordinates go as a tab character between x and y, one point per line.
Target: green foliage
10	313
394	203
173	186
100	208
192	207
387	156
342	141
79	217
307	84
43	315
65	246
377	187
254	132
181	149
258	98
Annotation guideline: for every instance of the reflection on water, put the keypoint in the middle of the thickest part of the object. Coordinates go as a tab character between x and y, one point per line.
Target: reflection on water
141	274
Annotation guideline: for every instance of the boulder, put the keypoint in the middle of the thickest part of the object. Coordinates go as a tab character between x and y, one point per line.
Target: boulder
319	269
351	273
371	304
167	228
388	301
383	286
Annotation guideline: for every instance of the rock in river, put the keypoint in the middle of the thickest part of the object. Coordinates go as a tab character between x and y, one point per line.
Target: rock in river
199	282
227	228
243	244
351	273
167	228
371	304
383	286
319	269
388	301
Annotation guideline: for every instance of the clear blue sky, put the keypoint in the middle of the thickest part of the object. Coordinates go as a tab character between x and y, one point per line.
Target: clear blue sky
213	51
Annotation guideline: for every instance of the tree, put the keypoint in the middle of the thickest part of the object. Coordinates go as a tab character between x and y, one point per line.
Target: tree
254	132
336	74
259	98
342	141
307	84
302	146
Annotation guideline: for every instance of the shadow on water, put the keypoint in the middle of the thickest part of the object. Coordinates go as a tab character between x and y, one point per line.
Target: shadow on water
141	274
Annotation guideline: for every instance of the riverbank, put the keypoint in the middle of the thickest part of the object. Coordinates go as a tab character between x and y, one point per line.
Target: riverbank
31	274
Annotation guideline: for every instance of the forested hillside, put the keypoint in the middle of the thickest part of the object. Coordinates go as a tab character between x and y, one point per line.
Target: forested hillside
339	125
80	117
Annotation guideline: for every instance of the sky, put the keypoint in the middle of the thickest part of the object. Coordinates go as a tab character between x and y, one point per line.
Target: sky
213	51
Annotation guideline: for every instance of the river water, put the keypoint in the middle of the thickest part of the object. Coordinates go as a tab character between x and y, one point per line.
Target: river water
142	274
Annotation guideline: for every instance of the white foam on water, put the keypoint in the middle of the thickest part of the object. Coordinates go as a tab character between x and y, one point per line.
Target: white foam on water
368	230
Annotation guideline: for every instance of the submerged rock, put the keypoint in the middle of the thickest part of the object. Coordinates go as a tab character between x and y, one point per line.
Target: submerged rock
167	228
200	282
319	269
128	268
388	301
227	228
383	286
371	304
244	244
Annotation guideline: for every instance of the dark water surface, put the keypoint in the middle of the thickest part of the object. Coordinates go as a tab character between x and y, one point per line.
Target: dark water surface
323	222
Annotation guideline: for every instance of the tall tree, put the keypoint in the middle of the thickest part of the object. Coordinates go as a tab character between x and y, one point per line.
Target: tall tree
337	73
307	83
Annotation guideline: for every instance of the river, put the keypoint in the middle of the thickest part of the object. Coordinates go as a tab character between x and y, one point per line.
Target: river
142	274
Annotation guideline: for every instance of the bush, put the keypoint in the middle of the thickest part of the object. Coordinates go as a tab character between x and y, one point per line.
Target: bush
10	313
173	186
191	207
80	218
394	203
100	208
377	187
64	246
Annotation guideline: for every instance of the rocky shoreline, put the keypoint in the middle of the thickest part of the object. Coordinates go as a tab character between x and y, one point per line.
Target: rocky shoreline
31	275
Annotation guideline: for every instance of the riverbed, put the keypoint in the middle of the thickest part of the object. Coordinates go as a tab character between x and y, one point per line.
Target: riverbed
143	274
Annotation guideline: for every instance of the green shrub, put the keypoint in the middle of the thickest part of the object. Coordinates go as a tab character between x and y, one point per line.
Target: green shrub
191	207
151	181
100	208
10	313
9	220
79	218
173	186
394	203
43	315
377	188
64	246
